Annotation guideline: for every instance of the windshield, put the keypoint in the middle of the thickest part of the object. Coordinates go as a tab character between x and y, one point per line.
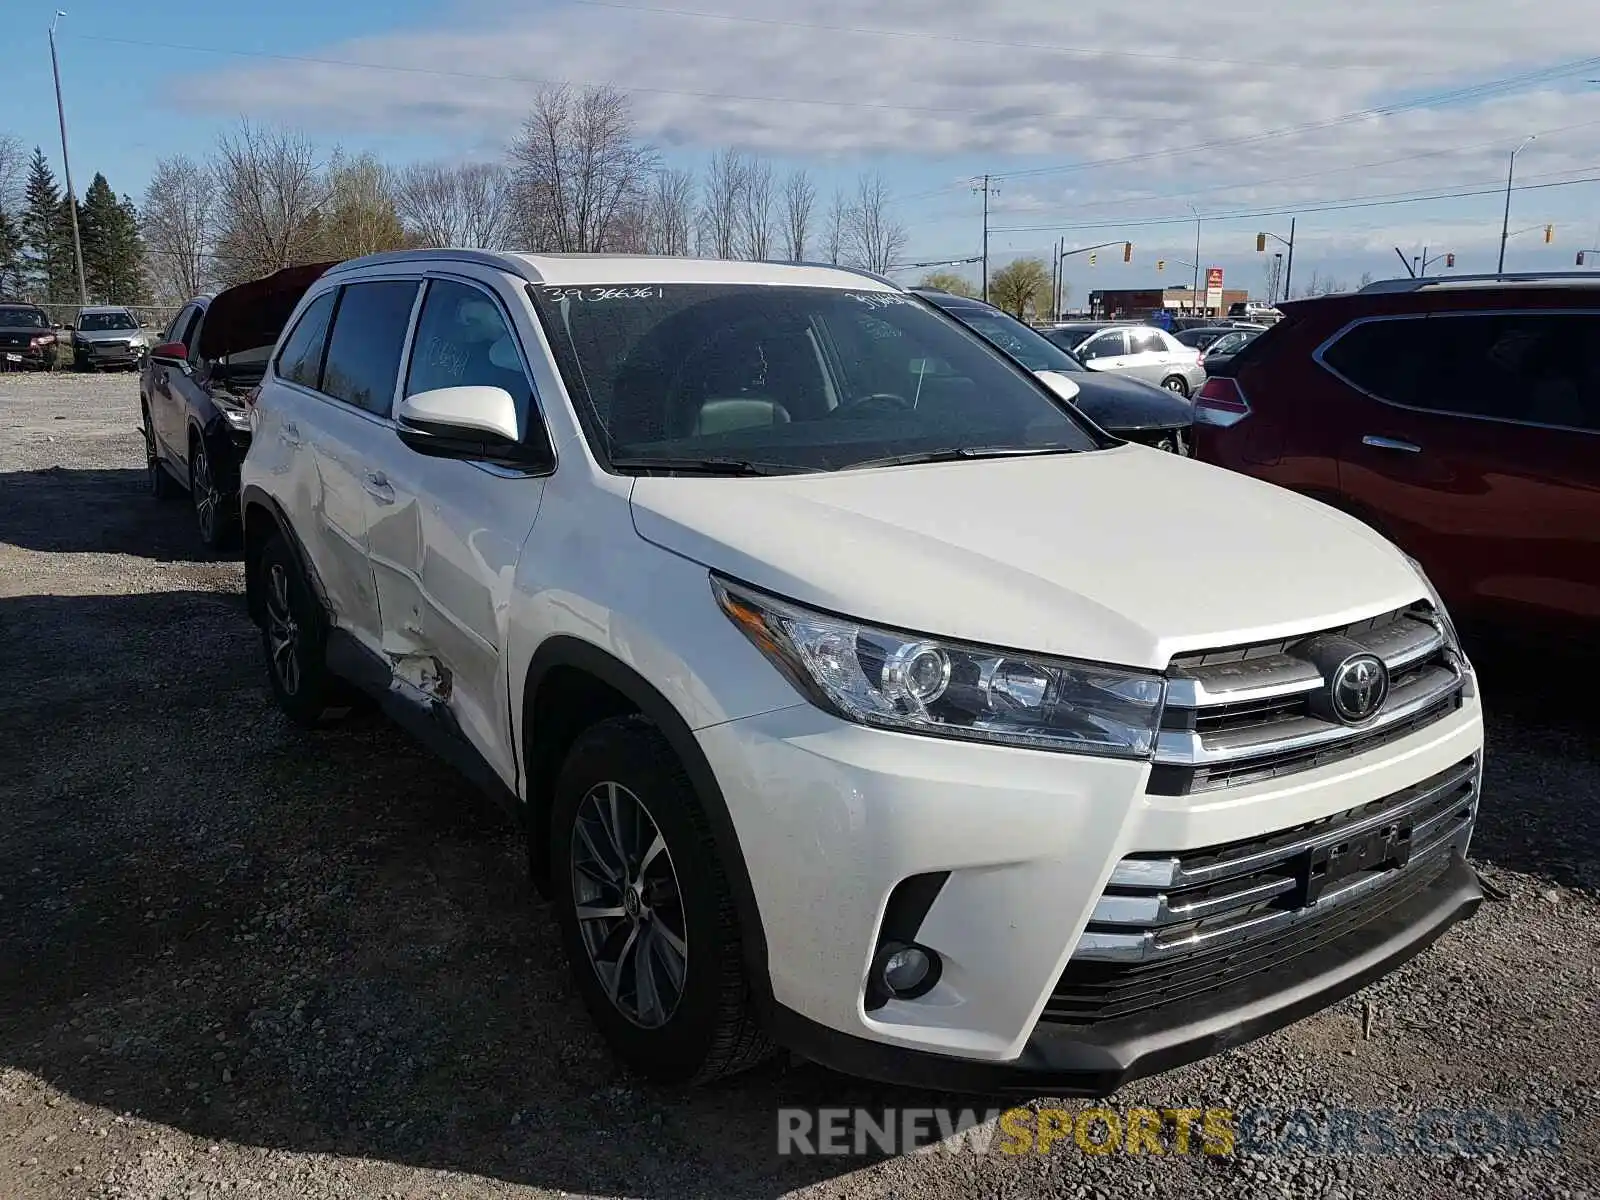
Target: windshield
97	322
1029	347
22	318
798	378
1230	343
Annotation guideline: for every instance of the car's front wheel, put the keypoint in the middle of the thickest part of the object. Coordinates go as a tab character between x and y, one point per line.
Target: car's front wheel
646	914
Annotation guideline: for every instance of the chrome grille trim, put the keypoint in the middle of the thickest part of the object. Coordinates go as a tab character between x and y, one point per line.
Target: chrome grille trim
1157	925
1407	700
1238	715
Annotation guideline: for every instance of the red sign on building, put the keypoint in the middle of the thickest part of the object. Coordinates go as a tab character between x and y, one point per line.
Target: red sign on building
1213	279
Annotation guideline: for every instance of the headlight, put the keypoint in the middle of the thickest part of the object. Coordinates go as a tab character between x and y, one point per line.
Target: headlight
239	418
916	684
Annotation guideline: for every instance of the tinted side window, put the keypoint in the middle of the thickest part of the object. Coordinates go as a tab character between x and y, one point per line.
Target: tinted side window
369	331
1513	367
170	333
1142	341
187	325
1106	345
463	341
300	360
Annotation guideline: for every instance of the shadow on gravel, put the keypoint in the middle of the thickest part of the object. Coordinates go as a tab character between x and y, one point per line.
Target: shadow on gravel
311	941
64	510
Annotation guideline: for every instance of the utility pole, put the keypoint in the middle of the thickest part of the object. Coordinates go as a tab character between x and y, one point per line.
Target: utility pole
1194	292
66	163
1288	269
1505	219
986	187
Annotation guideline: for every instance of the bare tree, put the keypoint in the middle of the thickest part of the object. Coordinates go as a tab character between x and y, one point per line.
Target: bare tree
799	197
723	202
13	162
671	212
361	214
579	167
179	220
271	194
757	211
835	230
874	239
467	205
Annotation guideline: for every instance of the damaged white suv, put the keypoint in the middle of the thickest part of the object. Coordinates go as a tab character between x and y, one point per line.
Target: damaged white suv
858	696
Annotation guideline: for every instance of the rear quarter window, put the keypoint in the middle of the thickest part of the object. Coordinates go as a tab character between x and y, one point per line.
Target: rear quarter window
1383	357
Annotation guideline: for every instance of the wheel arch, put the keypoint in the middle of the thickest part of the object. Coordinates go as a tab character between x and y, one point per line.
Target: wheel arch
262	516
571	684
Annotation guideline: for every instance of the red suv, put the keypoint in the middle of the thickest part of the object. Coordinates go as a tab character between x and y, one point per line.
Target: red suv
1460	417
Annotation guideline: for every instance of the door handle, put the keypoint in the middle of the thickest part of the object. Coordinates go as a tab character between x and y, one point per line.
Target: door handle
1387	443
289	434
376	484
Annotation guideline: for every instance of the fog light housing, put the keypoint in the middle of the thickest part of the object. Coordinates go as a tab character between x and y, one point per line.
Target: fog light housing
903	971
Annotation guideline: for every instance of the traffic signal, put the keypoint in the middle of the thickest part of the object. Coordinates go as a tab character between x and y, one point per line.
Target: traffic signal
1127	251
1261	242
1091	258
1549	234
1161	264
1449	260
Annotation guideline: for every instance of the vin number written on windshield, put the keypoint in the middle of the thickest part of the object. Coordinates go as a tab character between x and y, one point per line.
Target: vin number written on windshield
590	295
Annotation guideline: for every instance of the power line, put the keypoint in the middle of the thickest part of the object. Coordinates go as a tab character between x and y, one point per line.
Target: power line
921	36
1473	91
542	82
1291	209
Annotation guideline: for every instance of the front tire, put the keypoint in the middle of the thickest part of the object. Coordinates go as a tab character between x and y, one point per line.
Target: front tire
645	911
294	638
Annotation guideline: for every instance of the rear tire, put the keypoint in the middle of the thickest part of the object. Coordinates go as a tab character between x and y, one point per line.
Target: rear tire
1176	383
680	1009
294	637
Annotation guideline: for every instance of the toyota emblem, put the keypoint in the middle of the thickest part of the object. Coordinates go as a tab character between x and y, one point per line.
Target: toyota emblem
1359	686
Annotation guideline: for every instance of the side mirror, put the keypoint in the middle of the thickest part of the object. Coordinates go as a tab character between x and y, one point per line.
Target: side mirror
1059	384
173	350
69	327
478	423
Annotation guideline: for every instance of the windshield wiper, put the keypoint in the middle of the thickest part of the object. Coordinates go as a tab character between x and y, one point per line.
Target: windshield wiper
959	453
709	466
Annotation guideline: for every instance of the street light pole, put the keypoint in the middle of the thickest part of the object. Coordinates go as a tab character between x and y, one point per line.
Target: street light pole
1505	220
66	163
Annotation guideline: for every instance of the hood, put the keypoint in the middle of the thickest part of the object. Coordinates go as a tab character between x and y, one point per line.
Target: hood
1118	403
252	315
1126	555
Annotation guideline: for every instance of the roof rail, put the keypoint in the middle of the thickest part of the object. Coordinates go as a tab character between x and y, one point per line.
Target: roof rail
828	266
1509	279
483	258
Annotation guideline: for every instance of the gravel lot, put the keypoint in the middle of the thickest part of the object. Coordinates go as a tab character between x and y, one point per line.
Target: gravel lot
239	959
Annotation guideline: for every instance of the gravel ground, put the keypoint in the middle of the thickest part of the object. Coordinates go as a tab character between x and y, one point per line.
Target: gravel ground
239	959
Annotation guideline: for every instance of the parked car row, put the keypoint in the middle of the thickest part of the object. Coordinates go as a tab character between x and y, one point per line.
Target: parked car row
814	637
1139	351
102	336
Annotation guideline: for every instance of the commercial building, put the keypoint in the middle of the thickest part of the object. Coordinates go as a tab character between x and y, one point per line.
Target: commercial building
1112	304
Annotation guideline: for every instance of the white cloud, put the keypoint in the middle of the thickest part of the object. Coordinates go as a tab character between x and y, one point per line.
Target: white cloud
946	87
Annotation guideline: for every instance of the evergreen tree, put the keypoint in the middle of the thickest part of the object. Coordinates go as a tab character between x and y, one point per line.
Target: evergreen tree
48	267
113	252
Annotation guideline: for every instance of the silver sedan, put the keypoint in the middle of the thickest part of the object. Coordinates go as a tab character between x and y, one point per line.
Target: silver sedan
1141	351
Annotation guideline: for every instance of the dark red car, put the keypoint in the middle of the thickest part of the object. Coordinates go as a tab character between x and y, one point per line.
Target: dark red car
1459	416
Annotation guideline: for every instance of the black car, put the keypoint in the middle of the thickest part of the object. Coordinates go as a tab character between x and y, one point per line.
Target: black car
1129	408
1219	353
195	392
1202	337
27	339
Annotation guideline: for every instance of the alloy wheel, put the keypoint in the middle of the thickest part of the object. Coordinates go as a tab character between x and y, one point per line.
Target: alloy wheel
1176	385
629	905
283	631
207	501
151	463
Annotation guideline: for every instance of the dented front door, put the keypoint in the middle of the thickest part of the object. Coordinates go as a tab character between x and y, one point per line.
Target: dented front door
445	539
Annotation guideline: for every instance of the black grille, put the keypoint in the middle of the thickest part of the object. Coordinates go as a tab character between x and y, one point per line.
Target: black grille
1091	992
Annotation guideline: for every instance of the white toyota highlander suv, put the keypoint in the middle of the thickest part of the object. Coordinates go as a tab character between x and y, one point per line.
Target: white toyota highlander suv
857	694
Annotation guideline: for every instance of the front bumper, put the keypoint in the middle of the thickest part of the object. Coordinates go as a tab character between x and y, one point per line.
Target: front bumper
107	354
832	817
27	356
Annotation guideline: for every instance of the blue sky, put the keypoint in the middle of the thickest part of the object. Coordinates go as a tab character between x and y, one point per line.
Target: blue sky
1083	111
